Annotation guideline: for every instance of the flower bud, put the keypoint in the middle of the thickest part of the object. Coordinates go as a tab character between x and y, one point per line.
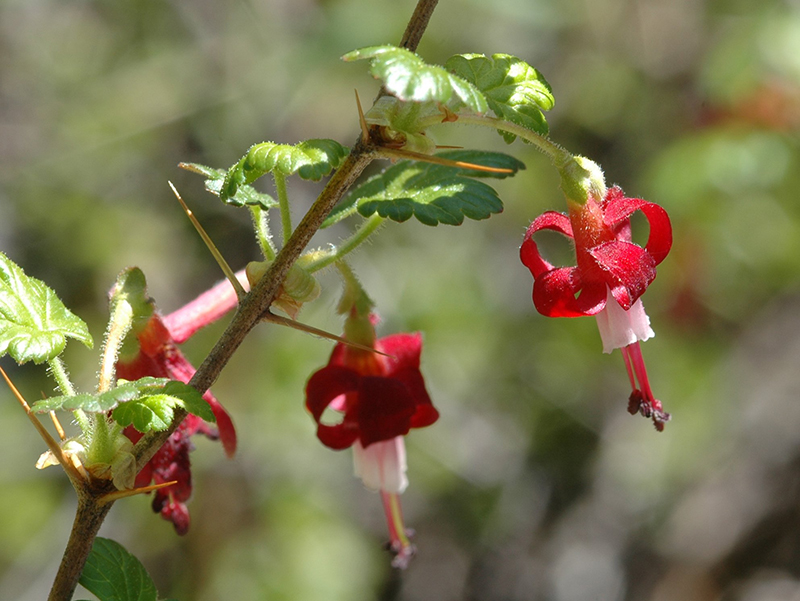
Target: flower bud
299	287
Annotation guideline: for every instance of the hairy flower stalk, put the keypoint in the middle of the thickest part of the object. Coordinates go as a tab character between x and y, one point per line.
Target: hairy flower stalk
380	398
611	272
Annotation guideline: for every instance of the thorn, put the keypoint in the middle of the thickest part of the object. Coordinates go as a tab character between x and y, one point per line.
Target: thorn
446	147
418	156
192	168
66	462
121	494
449	116
61	434
285	321
362	120
223	264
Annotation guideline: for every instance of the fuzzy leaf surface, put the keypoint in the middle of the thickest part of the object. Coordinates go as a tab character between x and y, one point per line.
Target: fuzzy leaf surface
245	195
411	79
155	411
432	193
514	90
311	159
105	401
113	574
34	323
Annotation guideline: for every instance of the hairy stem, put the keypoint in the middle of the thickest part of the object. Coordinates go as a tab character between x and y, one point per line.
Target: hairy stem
557	153
347	245
263	235
59	372
283	202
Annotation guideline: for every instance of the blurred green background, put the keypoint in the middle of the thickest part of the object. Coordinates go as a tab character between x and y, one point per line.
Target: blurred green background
535	483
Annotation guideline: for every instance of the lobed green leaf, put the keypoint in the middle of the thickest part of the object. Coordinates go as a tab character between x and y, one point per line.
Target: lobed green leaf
156	411
105	401
244	196
405	75
34	323
430	192
514	90
311	159
113	574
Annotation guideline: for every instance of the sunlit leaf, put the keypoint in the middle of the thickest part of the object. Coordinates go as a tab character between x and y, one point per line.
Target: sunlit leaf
411	79
34	323
311	159
245	195
514	90
432	193
105	401
113	574
156	411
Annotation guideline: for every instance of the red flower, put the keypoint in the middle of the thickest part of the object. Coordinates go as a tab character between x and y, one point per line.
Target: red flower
158	356
382	397
606	257
610	276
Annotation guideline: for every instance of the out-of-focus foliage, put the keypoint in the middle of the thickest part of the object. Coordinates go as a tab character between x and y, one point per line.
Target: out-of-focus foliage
535	483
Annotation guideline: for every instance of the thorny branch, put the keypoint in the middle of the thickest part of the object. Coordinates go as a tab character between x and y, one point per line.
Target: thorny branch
91	511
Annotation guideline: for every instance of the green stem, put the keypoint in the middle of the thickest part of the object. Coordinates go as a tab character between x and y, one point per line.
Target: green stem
557	153
363	231
264	236
59	372
283	202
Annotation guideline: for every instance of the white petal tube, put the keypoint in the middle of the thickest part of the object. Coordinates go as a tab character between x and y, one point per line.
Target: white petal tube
619	328
382	465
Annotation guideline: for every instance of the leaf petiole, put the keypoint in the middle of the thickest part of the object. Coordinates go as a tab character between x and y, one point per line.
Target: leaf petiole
557	153
322	259
283	203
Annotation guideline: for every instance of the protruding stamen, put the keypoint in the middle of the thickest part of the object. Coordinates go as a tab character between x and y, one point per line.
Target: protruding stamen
399	543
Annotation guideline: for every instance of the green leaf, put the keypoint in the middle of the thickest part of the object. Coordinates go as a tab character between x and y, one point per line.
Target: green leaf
113	574
190	399
411	79
34	323
147	413
245	195
311	159
432	193
103	402
514	90
155	412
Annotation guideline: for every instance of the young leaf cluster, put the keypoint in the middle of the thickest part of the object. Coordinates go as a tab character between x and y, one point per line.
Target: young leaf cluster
146	404
310	159
245	195
511	88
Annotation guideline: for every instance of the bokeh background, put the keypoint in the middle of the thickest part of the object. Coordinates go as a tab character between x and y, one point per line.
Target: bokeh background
535	484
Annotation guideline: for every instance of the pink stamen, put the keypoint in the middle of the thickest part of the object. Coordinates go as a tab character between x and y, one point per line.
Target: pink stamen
642	399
